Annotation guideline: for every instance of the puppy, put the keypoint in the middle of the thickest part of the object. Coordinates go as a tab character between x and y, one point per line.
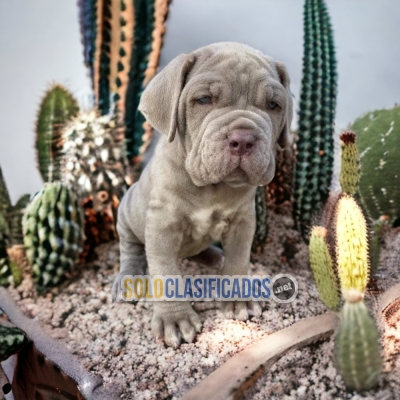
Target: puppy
224	110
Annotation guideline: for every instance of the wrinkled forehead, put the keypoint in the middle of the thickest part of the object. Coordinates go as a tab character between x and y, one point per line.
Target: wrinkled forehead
236	65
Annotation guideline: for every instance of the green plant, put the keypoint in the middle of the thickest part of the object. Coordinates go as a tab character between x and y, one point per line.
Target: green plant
12	339
11	215
57	107
357	347
378	141
316	117
261	233
52	227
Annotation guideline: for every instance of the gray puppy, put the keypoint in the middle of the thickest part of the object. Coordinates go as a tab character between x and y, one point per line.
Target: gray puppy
224	110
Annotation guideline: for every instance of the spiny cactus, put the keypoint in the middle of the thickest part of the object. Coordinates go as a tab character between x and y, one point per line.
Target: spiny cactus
350	165
150	16
357	347
56	109
11	215
6	277
351	245
52	226
95	162
378	141
12	339
317	110
261	233
322	266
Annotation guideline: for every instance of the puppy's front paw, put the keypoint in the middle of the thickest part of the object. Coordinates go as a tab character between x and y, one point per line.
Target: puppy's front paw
116	291
174	320
241	310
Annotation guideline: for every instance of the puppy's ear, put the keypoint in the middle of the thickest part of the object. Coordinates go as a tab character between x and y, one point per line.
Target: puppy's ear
285	80
160	100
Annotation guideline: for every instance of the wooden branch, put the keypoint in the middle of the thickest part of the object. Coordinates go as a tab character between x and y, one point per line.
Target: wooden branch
240	372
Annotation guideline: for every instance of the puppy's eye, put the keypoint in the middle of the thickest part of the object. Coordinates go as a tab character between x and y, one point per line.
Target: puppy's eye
272	105
204	100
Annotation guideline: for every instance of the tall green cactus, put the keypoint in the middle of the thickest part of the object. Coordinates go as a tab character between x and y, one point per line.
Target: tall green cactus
52	227
378	141
261	233
57	107
357	347
317	110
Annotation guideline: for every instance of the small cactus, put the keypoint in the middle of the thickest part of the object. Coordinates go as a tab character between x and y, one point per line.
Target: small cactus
378	141
322	266
357	347
95	163
52	226
6	277
350	168
56	109
12	340
317	109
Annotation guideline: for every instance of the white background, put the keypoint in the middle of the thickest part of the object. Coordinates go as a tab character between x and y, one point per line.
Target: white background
40	43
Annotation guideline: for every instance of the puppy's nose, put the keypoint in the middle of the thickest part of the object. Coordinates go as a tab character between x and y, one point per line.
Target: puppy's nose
241	143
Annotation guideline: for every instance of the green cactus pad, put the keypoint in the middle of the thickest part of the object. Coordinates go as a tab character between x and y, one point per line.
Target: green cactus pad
12	340
322	266
357	348
52	226
350	165
57	107
378	141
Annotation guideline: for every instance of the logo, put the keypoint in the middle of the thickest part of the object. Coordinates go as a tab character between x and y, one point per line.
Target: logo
284	288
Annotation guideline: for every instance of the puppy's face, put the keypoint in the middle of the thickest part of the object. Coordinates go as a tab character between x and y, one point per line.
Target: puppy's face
231	110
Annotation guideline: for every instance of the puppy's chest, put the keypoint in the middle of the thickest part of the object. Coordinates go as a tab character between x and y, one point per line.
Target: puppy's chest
208	224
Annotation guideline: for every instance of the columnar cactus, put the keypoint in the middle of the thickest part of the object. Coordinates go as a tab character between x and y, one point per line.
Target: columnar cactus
6	276
56	109
261	233
317	110
52	226
122	44
378	141
357	347
339	257
149	26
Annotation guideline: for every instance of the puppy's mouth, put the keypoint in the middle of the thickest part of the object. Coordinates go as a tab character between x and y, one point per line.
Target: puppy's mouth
237	177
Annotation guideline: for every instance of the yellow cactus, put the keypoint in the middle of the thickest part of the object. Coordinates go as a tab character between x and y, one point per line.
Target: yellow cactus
351	245
323	270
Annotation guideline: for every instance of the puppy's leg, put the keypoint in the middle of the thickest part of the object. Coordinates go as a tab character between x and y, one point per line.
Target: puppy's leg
237	247
212	256
171	320
132	257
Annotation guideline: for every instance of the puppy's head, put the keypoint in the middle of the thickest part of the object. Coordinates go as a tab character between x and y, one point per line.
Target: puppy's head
231	107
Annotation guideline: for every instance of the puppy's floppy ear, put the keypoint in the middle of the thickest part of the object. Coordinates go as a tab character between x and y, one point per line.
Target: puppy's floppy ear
285	80
160	100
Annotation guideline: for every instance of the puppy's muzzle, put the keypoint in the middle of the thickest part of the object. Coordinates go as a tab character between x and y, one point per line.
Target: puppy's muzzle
241	143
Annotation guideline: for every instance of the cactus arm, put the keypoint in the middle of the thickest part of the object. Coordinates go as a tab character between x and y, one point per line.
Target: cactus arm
350	165
322	266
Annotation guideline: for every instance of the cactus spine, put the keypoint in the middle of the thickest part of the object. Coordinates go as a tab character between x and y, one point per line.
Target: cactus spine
378	141
317	110
52	228
357	347
57	107
322	266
